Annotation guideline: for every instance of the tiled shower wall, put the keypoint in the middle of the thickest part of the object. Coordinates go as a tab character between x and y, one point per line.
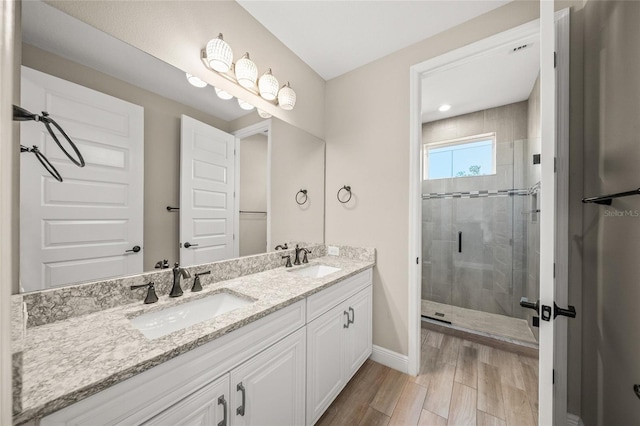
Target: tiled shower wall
490	272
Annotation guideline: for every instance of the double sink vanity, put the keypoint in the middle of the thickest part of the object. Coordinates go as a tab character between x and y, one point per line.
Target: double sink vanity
260	344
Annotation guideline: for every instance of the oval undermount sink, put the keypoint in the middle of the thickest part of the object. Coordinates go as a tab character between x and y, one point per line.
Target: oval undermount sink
315	271
165	321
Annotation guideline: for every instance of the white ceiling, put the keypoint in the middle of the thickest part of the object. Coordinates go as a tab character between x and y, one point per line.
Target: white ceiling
54	31
500	78
335	37
338	36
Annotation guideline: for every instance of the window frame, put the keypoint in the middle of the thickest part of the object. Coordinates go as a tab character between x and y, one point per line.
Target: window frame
459	141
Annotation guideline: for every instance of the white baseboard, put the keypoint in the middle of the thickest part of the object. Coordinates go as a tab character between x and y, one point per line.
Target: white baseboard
573	420
390	359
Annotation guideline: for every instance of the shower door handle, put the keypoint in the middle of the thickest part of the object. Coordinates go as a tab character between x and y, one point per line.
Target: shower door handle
459	241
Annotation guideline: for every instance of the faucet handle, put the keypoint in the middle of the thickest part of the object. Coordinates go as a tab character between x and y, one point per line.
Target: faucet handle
152	297
304	257
197	286
288	264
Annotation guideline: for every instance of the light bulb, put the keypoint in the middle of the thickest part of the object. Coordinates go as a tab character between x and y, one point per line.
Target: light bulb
286	97
246	72
268	86
219	54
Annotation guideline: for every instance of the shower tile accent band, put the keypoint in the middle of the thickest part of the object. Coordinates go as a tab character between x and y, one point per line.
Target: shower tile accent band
478	194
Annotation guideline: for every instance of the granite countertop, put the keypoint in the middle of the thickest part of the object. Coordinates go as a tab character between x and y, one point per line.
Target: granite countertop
66	361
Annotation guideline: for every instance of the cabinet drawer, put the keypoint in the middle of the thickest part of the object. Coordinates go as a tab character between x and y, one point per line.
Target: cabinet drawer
321	302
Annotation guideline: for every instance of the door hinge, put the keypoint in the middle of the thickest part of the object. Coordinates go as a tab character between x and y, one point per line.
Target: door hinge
553	376
555	59
555	164
554	270
234	237
417	260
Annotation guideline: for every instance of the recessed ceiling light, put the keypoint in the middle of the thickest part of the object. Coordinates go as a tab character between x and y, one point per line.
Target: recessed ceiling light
444	107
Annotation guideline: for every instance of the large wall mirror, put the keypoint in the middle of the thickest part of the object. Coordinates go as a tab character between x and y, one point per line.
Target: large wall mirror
172	171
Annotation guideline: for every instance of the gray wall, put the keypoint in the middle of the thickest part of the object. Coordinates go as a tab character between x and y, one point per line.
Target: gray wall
611	244
489	274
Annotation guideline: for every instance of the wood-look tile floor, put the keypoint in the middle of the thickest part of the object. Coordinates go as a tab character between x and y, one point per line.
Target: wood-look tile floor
460	383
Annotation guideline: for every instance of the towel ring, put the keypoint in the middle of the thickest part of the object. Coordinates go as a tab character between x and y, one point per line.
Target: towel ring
344	188
303	198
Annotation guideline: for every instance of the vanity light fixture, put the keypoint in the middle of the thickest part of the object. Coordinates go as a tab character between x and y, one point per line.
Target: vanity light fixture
245	105
268	86
286	97
195	81
218	57
263	114
246	72
219	54
444	108
223	95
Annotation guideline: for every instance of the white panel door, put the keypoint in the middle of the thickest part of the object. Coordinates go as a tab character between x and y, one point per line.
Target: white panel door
269	389
79	230
359	336
326	354
207	172
206	407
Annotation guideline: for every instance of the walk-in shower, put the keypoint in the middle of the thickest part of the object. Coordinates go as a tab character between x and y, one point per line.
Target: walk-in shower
480	220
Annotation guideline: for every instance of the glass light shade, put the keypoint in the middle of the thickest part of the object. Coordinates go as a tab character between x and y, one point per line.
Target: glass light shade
223	95
246	72
268	86
195	81
286	97
219	54
245	105
263	114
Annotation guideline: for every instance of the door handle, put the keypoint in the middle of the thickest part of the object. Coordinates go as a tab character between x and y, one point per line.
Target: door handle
353	315
348	322
459	241
240	409
188	244
223	402
524	302
569	312
135	249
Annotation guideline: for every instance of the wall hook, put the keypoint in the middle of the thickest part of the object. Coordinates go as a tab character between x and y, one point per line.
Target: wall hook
301	199
344	188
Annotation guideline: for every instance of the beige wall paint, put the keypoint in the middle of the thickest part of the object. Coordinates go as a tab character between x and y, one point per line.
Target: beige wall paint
297	162
161	147
611	242
367	113
253	194
176	31
8	173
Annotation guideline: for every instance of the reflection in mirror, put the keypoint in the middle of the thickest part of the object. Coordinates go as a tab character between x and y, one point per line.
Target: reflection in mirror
123	108
480	230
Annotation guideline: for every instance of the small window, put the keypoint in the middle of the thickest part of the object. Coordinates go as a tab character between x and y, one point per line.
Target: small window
471	156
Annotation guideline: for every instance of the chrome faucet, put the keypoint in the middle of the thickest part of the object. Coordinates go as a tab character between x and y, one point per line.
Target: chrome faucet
178	272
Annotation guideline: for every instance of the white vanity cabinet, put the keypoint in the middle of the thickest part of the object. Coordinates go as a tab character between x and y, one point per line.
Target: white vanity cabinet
283	369
338	341
206	407
268	389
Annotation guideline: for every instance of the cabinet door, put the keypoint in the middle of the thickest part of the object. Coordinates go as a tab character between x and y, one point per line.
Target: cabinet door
269	389
359	343
326	352
206	407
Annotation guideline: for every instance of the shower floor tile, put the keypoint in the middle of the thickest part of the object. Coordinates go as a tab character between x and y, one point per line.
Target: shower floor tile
492	324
